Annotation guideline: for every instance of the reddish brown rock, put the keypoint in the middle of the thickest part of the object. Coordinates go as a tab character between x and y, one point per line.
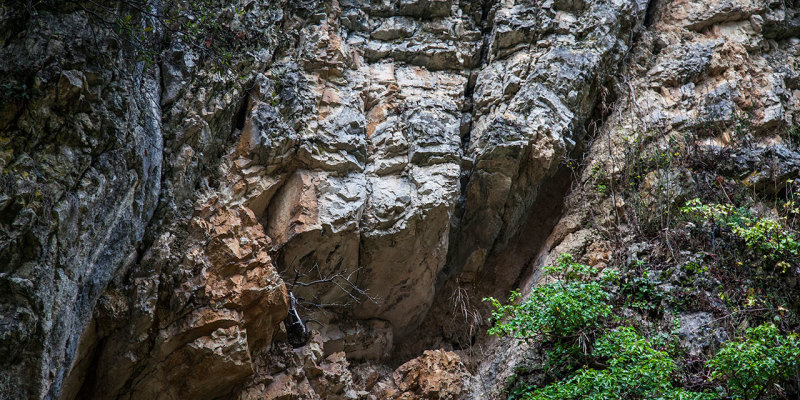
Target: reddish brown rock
217	322
436	374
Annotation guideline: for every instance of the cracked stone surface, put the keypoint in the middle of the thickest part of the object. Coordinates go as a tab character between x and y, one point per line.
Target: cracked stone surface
408	156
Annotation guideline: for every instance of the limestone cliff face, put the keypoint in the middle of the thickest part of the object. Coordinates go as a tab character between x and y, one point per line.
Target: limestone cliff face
387	162
717	79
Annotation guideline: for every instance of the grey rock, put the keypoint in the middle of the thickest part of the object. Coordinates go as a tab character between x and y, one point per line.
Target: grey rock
394	28
699	333
425	8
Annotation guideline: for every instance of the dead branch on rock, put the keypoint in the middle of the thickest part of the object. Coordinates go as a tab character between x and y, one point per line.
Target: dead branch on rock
345	282
296	329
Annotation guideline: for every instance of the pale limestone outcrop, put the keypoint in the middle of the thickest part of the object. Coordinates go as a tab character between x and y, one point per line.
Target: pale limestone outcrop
531	103
355	158
368	176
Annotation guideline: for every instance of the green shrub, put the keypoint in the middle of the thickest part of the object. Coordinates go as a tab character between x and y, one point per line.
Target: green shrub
751	364
576	301
635	371
640	291
766	235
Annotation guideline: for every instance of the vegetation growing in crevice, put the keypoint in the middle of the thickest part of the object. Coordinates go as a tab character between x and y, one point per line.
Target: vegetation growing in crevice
214	29
694	230
724	245
572	305
567	314
769	237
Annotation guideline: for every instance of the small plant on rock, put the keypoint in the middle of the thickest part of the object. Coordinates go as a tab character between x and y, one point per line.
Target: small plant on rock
768	236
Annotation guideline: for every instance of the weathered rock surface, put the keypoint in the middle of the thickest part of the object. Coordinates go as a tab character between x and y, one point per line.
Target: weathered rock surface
82	161
304	373
436	374
213	324
718	75
102	155
388	162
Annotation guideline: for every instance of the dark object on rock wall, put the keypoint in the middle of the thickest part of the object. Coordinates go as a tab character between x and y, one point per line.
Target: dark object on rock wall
295	327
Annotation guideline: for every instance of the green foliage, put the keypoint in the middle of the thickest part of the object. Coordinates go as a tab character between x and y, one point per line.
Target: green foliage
753	363
635	370
215	29
766	235
574	302
794	135
218	29
639	291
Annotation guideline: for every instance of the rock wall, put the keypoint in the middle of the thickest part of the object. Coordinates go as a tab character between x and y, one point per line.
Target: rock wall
387	162
718	77
82	166
104	154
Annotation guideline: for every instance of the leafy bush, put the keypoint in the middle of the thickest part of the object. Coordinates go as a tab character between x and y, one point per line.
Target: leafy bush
574	302
753	363
639	290
766	235
635	371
